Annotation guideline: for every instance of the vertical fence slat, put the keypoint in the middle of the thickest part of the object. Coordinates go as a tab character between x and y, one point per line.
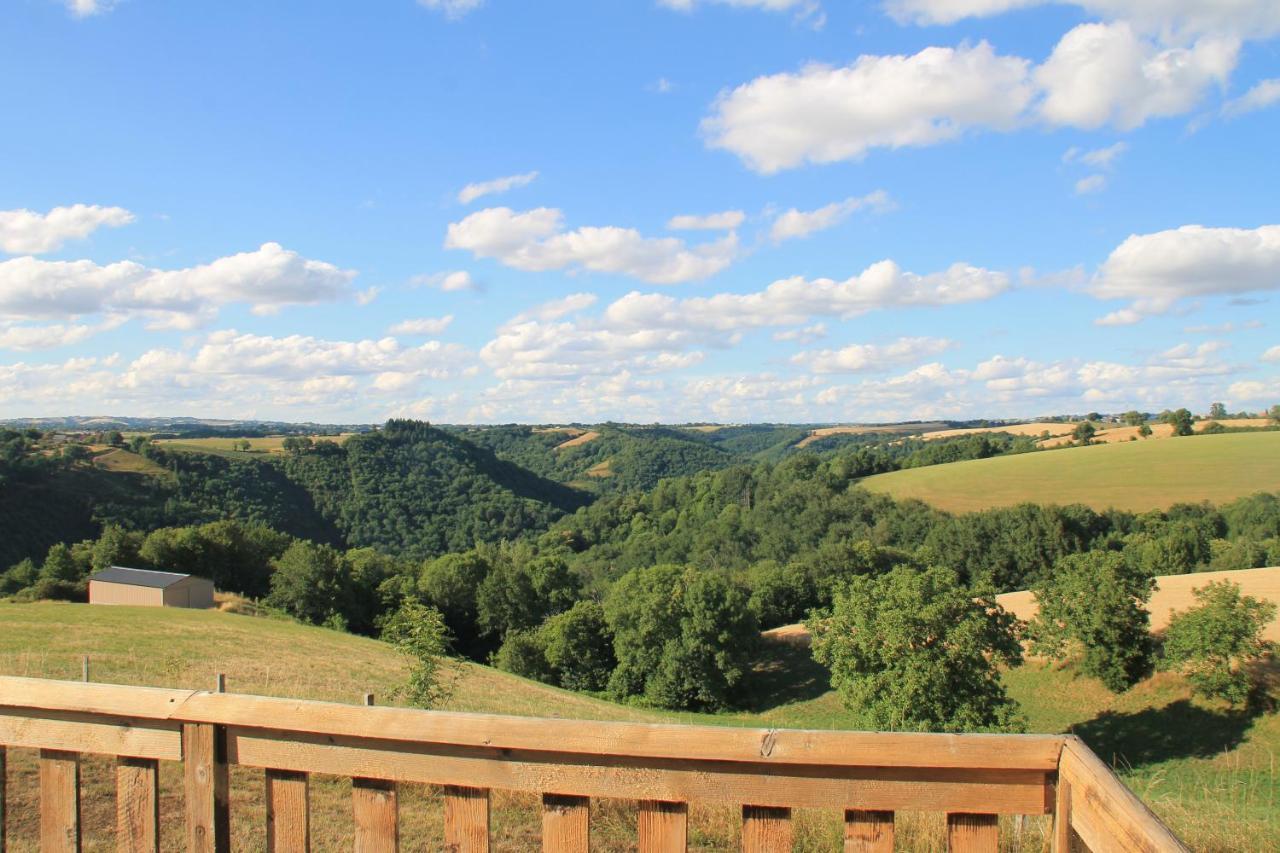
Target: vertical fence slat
766	829
1062	817
466	820
377	816
4	780
137	805
59	801
566	823
288	817
972	833
204	754
868	831
664	827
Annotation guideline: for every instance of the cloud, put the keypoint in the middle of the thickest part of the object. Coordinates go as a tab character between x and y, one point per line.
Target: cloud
1107	74
1261	96
535	240
88	8
724	221
450	282
1158	270
1178	19
367	296
26	338
868	358
25	232
266	279
824	114
1272	354
422	326
809	10
796	223
1099	158
471	192
557	308
1091	184
1223	328
452	9
803	335
1252	389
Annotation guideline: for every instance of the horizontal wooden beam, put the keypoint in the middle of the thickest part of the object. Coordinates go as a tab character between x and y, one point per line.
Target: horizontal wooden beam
89	733
622	740
679	780
1108	817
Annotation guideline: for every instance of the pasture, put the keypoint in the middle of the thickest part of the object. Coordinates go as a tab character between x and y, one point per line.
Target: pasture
1207	769
1135	476
869	429
227	445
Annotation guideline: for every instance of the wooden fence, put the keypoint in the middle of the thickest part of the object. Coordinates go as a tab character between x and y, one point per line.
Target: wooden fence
767	772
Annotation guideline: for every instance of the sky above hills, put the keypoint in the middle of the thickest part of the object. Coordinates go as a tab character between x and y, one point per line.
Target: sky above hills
642	210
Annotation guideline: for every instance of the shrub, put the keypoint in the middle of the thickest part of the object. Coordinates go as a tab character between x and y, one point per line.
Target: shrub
1212	642
418	632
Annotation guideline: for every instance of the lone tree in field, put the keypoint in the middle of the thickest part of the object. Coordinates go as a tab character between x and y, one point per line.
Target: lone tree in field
1084	433
1213	642
1134	418
1095	604
916	650
1181	421
1217	411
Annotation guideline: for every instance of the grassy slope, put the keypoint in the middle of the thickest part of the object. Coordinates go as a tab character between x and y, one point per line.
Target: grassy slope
1135	476
1209	770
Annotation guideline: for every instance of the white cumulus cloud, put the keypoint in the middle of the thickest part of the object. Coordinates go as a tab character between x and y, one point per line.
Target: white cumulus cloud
26	232
536	240
726	220
824	114
1261	96
868	358
471	192
422	326
452	8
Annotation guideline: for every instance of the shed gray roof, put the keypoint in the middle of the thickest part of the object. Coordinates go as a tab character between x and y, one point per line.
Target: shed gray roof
138	577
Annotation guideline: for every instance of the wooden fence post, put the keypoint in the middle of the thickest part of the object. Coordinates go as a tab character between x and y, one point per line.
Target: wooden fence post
466	820
566	823
204	754
59	801
376	809
664	827
137	805
868	831
288	814
766	829
972	833
4	778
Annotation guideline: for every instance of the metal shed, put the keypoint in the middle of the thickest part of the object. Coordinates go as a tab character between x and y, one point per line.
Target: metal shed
147	588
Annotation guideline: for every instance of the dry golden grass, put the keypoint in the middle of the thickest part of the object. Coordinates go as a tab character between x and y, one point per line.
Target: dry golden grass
117	460
1052	427
601	469
856	429
267	444
577	440
1175	592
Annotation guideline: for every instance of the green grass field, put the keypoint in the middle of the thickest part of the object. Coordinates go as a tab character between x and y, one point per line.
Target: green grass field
231	446
1136	476
1208	770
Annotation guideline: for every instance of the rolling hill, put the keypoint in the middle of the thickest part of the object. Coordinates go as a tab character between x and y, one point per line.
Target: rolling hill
1134	476
1206	769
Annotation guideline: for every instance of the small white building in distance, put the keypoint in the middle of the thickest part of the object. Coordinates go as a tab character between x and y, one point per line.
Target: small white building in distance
145	588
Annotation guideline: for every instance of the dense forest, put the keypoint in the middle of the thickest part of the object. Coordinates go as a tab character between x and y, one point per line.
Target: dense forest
656	595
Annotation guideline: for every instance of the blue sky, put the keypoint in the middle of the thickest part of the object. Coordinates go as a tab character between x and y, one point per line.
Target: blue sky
642	210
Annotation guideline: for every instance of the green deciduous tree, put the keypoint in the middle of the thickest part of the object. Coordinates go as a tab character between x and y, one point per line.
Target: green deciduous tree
1096	601
1212	642
579	647
683	638
311	582
1181	421
1217	411
1084	432
915	650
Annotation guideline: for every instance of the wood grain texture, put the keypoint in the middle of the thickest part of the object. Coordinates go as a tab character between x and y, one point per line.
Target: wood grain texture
4	784
766	830
88	733
376	810
566	824
973	833
1108	817
868	831
207	805
137	805
288	812
59	801
769	746
466	819
895	789
663	827
1062	816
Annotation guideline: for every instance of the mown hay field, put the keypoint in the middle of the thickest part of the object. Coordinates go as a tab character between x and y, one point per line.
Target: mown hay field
1135	476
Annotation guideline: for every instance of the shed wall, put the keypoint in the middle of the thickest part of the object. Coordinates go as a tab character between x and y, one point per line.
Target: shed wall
192	592
104	592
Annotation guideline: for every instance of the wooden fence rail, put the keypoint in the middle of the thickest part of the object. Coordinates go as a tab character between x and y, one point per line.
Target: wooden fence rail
767	772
